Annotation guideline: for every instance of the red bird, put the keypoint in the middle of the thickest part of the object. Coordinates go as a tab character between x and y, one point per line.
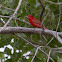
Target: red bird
34	22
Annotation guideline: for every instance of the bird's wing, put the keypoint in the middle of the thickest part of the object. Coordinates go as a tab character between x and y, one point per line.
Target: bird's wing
36	21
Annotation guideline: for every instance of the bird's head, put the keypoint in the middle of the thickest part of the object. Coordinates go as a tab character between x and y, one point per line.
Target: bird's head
29	16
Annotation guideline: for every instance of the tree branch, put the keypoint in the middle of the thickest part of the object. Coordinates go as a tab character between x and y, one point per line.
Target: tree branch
14	19
6	8
49	56
10	30
42	10
33	46
53	2
6	24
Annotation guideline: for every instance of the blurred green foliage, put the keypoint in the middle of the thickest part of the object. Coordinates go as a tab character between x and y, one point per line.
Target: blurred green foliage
30	7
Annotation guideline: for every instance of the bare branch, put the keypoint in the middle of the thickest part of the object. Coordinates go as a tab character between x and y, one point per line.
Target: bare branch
46	16
60	33
14	19
42	10
9	30
53	2
1	20
58	37
36	52
58	51
6	24
59	17
42	14
6	7
33	45
49	56
16	23
58	48
50	41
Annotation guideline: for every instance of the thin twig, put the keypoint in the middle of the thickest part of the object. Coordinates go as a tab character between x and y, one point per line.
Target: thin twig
33	45
54	2
36	53
43	24
46	16
58	48
58	52
6	24
42	13
59	17
1	20
44	37
42	10
50	41
14	19
25	40
6	7
49	56
16	23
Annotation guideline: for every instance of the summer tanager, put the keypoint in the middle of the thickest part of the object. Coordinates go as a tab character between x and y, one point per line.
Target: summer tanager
34	22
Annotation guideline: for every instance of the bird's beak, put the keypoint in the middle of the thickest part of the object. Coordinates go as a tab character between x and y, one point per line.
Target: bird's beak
26	16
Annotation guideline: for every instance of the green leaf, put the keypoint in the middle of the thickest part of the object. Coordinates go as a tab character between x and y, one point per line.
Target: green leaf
59	59
24	59
7	50
5	12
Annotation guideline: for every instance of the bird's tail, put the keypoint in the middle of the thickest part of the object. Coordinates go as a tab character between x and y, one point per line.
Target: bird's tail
45	27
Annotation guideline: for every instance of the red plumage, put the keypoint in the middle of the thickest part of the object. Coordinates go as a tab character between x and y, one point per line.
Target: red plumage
34	22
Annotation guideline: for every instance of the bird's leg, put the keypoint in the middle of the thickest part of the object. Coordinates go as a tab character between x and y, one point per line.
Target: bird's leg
42	14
